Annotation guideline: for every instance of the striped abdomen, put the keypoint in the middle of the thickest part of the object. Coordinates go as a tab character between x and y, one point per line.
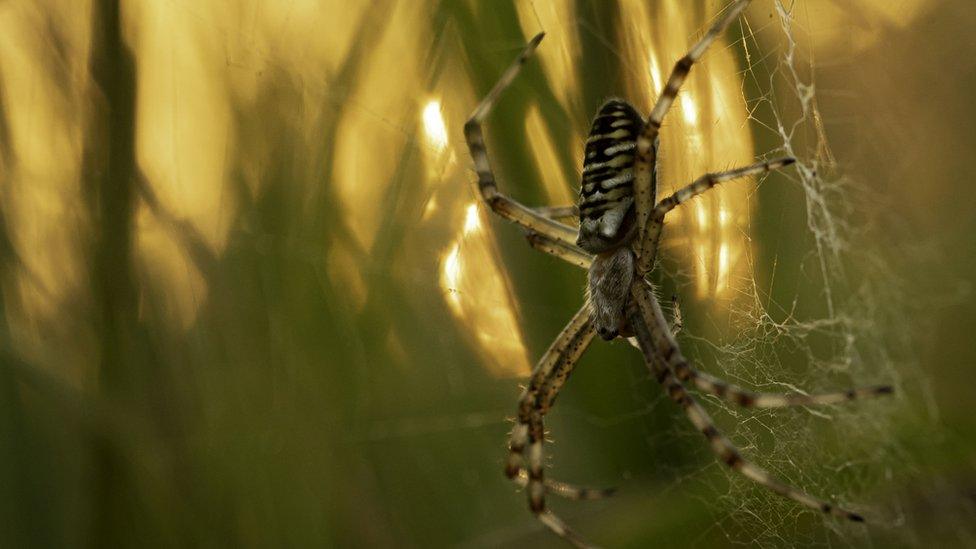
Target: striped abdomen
607	193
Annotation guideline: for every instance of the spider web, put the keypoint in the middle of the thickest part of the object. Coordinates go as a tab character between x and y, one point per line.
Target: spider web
845	324
843	321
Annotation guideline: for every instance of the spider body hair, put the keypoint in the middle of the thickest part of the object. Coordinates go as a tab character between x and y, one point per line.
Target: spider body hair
608	291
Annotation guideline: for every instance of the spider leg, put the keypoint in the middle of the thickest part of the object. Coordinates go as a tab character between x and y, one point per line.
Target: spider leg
501	204
652	231
566	490
537	487
558	212
564	350
751	399
658	354
646	152
676	321
567	252
710	384
539	406
548	377
526	443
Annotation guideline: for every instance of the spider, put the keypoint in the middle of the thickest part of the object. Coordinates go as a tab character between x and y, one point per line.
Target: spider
617	240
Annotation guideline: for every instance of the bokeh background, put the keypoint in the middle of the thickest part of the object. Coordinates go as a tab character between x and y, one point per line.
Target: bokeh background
249	297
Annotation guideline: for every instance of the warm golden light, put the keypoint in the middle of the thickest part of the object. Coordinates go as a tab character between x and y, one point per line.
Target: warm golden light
42	131
560	56
434	127
451	276
477	292
702	216
430	209
544	151
655	73
830	25
722	277
701	269
723	217
438	156
689	110
472	221
705	131
369	148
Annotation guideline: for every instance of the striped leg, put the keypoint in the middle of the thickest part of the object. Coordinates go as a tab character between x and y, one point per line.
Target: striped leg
537	489
564	347
658	354
685	372
655	223
526	444
543	402
498	202
646	153
565	490
567	252
537	485
559	212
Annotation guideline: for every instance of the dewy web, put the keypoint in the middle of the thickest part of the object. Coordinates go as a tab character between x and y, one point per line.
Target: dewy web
620	225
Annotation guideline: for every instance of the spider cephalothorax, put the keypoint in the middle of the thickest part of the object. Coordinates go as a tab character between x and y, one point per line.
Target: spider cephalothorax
619	228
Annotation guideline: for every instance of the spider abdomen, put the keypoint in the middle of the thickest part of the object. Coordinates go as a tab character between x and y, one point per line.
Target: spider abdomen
608	290
607	190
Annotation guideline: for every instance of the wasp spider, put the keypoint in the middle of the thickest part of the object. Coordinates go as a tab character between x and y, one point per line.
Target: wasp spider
617	239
